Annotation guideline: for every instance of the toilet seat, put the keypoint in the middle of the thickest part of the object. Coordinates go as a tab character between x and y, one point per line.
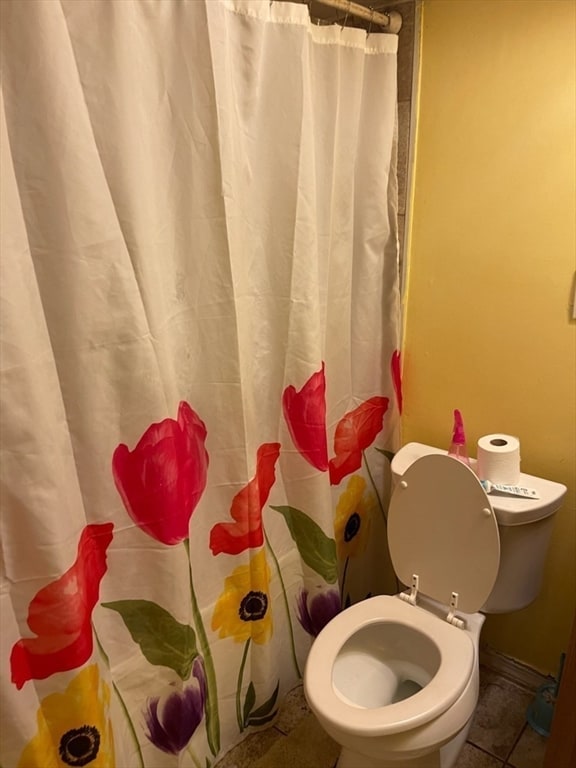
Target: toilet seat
456	664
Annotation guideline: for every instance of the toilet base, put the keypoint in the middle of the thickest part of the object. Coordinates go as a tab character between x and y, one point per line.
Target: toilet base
445	757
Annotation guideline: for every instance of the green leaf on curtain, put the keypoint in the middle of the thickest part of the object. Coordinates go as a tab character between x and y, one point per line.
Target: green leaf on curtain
316	549
265	712
268	705
249	702
389	454
262	720
163	640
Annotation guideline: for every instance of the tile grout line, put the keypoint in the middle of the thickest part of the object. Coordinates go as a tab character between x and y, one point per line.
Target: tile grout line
486	752
516	741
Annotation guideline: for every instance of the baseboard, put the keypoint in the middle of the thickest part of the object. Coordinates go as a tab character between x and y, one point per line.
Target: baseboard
512	669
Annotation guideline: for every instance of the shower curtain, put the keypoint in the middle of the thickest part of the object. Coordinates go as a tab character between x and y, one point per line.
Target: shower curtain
200	368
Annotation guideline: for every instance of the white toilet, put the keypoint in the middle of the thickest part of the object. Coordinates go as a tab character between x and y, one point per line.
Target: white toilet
394	679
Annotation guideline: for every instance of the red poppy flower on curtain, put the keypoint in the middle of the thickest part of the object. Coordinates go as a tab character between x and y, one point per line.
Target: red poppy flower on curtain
355	432
60	614
162	480
396	371
246	509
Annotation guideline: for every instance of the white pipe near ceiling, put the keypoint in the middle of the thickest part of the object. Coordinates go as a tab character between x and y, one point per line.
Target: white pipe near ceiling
391	20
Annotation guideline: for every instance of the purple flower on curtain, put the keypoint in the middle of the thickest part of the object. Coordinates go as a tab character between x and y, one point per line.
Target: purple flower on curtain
315	613
173	720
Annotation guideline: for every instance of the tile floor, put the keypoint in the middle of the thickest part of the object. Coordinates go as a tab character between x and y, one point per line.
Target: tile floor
499	737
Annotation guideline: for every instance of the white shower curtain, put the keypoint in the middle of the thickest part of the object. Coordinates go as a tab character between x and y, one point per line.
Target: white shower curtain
200	369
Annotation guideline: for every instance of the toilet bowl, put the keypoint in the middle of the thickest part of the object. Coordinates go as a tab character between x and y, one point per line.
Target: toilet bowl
394	679
402	681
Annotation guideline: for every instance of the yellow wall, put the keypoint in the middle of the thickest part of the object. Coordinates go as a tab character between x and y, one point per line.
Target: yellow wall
492	260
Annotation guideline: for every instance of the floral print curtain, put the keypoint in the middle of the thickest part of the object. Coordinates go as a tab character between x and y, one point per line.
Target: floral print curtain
200	368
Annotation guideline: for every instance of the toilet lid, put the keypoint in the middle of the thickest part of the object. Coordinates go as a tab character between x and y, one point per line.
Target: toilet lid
441	526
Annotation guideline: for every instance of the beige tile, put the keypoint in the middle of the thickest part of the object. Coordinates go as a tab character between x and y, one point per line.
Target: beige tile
500	716
401	240
403	149
529	751
249	750
472	757
292	711
405	50
307	746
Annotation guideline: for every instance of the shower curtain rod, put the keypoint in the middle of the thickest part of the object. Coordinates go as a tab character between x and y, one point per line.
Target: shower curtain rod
392	20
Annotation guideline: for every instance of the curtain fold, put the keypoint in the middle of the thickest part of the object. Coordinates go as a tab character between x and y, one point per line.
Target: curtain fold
200	390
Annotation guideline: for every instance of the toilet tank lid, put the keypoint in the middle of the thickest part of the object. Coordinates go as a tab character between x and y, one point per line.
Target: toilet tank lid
509	510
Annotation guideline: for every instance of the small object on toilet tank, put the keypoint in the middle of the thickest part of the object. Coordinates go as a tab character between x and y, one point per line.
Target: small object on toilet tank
458	448
510	490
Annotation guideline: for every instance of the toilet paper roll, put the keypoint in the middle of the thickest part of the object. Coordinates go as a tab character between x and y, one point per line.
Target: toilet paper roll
499	459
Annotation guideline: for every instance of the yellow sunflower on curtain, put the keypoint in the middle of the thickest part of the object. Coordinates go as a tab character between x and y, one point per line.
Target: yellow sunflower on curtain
352	525
243	609
353	518
243	612
73	727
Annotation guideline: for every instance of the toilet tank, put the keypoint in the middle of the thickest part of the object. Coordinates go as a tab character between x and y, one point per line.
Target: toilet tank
524	526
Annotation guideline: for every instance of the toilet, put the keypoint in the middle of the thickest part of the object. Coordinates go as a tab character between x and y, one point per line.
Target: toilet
394	679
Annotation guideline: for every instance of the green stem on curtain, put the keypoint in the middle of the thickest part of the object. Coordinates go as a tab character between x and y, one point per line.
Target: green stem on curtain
286	604
380	505
239	715
343	581
212	719
192	754
375	488
121	700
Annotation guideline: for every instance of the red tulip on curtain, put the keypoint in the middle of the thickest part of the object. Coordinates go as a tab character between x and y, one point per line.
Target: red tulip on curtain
305	414
162	479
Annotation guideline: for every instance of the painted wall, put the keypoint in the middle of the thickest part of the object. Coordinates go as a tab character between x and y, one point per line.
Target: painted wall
492	259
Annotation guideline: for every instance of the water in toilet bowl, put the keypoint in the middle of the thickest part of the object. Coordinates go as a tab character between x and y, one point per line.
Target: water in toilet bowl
368	681
406	689
377	667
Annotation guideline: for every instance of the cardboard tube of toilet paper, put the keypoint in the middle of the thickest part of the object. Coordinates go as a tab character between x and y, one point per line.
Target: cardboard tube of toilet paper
499	459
